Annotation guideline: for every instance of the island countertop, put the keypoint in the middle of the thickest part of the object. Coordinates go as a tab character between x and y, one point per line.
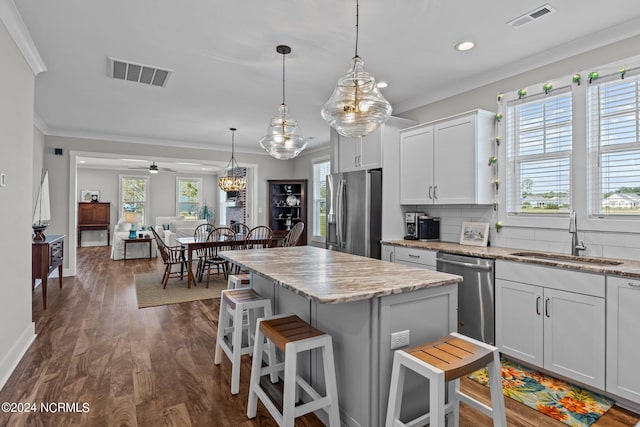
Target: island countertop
331	277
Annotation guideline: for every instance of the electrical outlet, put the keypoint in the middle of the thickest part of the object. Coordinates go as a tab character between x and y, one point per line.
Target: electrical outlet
399	339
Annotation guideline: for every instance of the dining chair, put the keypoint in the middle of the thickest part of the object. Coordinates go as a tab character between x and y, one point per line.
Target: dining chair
259	237
200	234
171	255
242	231
292	237
223	239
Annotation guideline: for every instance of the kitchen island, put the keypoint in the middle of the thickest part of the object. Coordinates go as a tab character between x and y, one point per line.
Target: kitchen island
360	302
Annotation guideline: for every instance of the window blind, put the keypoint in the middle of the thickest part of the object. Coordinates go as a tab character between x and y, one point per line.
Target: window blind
614	147
539	135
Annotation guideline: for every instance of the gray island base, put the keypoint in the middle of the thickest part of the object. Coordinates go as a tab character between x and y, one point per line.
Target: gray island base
360	302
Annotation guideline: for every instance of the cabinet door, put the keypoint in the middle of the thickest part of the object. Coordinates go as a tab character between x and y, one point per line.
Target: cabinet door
519	321
574	336
455	161
371	150
416	166
349	151
623	351
387	253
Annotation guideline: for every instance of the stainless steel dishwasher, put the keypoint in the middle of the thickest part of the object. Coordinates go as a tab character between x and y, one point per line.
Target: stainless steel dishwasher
475	294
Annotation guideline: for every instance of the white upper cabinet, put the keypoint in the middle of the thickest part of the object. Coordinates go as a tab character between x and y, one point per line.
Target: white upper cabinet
447	161
360	153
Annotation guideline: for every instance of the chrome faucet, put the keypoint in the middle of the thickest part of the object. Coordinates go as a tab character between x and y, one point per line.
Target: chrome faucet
576	245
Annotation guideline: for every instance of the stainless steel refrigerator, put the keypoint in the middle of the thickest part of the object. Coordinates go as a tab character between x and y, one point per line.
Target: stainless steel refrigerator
354	212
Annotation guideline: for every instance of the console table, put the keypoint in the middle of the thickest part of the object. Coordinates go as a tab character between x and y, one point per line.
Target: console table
146	240
94	216
46	255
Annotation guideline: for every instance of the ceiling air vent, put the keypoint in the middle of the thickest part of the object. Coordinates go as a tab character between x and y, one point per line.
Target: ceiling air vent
531	16
134	72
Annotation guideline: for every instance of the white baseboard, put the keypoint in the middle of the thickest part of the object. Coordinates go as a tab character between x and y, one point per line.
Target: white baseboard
19	348
96	243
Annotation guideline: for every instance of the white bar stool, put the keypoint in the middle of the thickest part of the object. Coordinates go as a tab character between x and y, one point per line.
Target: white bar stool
239	281
446	360
235	304
292	335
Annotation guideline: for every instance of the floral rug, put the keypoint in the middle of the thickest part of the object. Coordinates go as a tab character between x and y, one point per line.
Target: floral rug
555	398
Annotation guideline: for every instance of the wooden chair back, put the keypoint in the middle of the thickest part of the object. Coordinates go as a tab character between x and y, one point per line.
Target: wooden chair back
293	235
200	235
225	237
259	237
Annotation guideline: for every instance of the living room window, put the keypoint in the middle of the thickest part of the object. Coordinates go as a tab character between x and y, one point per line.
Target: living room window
133	195
321	168
614	147
189	195
539	135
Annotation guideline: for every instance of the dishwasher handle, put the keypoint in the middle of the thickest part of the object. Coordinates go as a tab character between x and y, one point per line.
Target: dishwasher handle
466	264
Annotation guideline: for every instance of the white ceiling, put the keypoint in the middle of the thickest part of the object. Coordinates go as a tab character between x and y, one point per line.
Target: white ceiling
226	72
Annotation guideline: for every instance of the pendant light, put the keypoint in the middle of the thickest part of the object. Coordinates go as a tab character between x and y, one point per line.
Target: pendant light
234	180
283	139
356	107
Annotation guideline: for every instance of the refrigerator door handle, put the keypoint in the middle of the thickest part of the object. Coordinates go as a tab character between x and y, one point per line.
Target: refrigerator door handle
341	207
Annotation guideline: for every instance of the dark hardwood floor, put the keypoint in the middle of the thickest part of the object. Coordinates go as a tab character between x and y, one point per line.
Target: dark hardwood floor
152	366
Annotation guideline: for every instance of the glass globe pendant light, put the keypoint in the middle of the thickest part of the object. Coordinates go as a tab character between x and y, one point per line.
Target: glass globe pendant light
356	107
234	180
283	139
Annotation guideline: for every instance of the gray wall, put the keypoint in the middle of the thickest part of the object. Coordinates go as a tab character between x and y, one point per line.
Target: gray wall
16	199
162	195
598	241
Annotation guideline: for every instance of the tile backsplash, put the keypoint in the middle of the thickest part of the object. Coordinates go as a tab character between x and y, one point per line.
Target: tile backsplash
601	244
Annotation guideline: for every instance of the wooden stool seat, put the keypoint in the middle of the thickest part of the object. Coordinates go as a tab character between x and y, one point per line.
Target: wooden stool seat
443	362
234	297
454	356
283	330
293	336
238	281
238	309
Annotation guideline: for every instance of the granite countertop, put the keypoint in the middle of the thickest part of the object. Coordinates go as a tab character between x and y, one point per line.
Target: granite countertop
332	277
627	268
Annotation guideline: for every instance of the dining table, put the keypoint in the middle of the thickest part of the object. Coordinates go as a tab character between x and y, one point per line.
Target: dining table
192	244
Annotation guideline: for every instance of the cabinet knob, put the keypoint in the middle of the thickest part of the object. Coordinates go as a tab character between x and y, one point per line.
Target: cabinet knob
538	298
634	285
546	307
430	188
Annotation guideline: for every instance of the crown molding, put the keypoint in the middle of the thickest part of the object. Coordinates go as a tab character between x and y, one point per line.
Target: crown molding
40	124
12	20
608	36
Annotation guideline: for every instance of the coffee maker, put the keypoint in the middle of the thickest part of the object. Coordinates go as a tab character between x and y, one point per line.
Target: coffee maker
411	225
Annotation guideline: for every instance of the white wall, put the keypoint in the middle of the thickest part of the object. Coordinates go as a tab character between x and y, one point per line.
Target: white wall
16	199
599	243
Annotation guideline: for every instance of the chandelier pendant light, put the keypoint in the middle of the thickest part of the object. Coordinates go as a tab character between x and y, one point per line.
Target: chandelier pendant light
234	179
356	107
283	139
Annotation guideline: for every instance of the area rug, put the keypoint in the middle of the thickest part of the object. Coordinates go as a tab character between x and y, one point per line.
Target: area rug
150	293
555	398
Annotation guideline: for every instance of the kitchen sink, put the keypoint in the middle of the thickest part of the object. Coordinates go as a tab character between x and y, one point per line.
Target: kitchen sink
567	258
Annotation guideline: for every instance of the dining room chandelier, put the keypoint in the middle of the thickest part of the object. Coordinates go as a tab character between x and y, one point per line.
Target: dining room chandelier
234	180
356	107
283	139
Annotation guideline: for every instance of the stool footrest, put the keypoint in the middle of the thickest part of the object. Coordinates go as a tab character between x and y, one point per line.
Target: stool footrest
476	404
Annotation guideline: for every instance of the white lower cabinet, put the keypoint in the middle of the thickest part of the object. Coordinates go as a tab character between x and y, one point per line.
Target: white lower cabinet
555	321
420	258
623	350
387	252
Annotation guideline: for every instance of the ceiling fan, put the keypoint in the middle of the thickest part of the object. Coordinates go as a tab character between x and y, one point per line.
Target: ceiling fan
153	168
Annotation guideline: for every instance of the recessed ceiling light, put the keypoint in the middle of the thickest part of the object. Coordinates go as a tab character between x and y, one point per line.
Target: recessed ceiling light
382	85
464	46
82	161
134	160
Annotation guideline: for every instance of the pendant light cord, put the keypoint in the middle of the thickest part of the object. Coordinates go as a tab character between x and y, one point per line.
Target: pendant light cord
283	55
357	25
